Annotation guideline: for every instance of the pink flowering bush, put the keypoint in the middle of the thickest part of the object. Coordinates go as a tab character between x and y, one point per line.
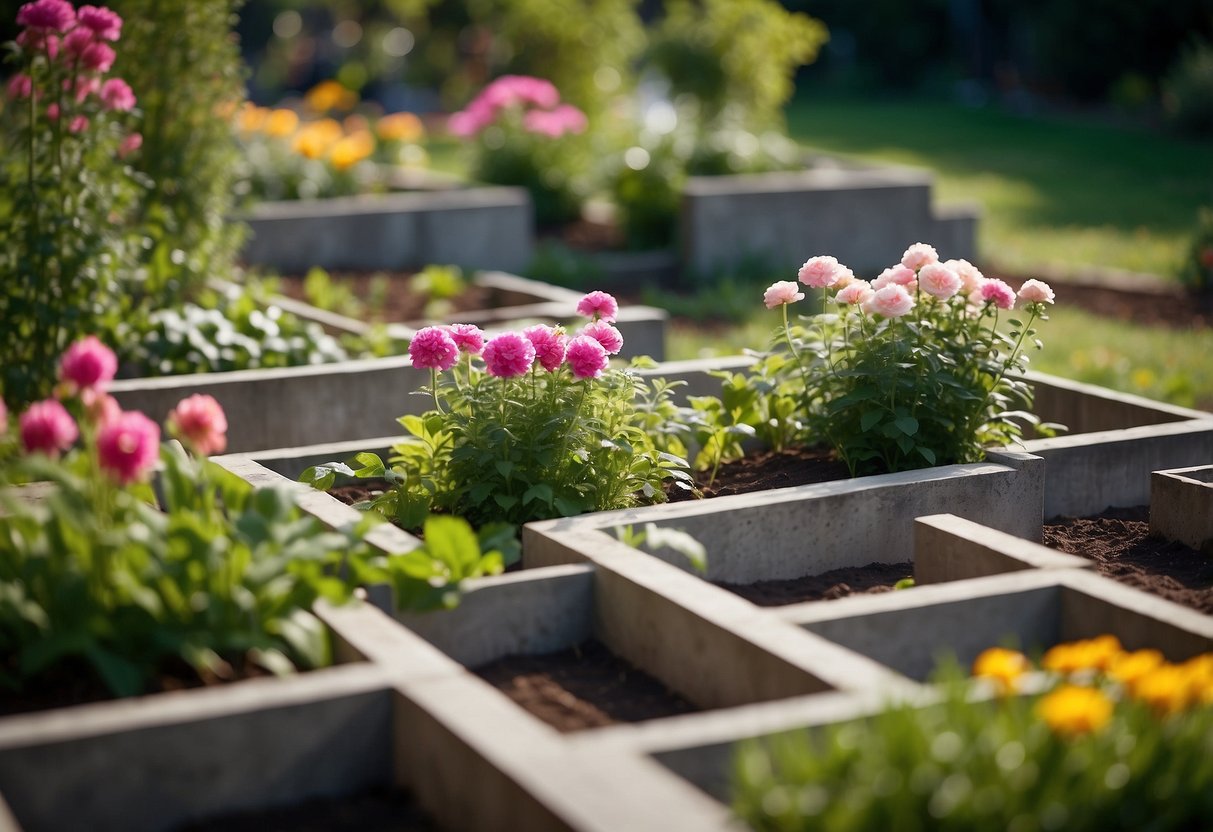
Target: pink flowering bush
534	425
522	134
906	371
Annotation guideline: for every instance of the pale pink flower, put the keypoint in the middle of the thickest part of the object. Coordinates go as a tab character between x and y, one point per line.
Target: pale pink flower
919	255
468	337
605	334
130	144
1036	291
433	348
20	86
199	421
85	86
49	15
509	90
892	301
938	280
469	121
599	305
586	357
105	24
549	343
98	57
46	427
100	406
969	274
555	123
116	95
88	363
856	292
78	124
128	446
822	271
509	354
997	292
781	292
895	275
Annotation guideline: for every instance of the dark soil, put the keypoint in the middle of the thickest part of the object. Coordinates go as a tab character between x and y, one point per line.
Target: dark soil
401	304
766	470
1161	304
837	583
583	687
587	236
357	492
1120	544
376	811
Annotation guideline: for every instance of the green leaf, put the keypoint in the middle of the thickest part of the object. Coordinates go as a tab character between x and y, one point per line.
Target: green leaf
870	419
541	492
907	425
451	541
372	466
927	454
506	501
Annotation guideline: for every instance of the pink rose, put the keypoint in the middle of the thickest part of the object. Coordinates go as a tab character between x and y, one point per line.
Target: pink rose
128	446
899	275
20	87
88	363
919	255
892	301
433	348
605	334
1036	291
46	427
822	272
51	15
200	422
599	305
586	357
509	354
116	95
970	276
468	337
549	343
855	293
997	292
102	22
781	292
938	280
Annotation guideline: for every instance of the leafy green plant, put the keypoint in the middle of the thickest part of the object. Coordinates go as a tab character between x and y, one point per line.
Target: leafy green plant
1197	270
439	285
1093	748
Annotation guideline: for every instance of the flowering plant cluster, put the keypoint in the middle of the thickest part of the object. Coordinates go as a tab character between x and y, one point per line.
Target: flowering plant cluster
524	135
907	370
1197	269
526	425
103	576
1107	739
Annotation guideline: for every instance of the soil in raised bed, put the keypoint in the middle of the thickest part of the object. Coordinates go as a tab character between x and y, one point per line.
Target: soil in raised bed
401	303
583	687
766	470
1119	542
373	811
837	583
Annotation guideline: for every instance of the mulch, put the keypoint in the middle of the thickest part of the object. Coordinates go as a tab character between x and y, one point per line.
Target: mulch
837	583
401	304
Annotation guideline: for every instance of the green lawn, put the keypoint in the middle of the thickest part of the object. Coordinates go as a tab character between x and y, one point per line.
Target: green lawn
1053	190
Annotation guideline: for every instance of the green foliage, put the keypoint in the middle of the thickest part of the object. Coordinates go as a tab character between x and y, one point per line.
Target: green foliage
439	285
1189	90
1197	271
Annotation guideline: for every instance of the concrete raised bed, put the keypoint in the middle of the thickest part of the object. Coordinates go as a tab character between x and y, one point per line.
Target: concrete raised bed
1181	506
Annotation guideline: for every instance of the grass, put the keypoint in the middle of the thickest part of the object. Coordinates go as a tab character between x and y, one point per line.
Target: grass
1054	190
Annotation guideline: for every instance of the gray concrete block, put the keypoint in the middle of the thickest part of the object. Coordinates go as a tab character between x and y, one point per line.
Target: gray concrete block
1181	506
950	548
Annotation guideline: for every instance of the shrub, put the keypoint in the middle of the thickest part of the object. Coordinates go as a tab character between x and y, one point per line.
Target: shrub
1197	269
1188	90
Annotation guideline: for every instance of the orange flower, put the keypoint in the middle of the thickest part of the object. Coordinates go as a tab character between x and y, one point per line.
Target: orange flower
1074	710
1167	689
330	95
1002	665
251	118
1129	668
351	150
400	127
1090	654
280	123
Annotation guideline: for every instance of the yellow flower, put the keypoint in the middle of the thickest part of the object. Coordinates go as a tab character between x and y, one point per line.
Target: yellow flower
1166	689
1003	665
316	137
1073	710
281	123
330	95
251	118
1090	654
400	127
1199	671
351	150
1128	668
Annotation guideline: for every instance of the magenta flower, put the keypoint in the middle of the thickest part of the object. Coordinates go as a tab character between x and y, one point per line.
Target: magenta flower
468	337
969	274
52	112
85	86
919	255
549	343
510	90
77	41
1036	291
97	57
102	22
781	292
586	357
938	280
130	144
128	446
47	15
78	124
854	293
200	422
599	306
892	301
509	354
469	121
3	418
116	95
46	427
822	272
20	87
605	334
433	348
997	292
88	363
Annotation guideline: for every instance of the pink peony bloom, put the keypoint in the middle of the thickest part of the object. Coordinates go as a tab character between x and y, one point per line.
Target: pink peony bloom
555	123
895	275
102	22
130	144
891	302
938	280
128	446
78	124
88	363
856	292
997	292
525	90
47	427
77	41
1036	291
433	348
20	86
586	357
919	255
970	276
116	95
85	86
100	406
822	272
52	112
549	343
199	421
48	15
97	57
605	334
599	305
509	354
35	39
468	337
781	292
469	121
